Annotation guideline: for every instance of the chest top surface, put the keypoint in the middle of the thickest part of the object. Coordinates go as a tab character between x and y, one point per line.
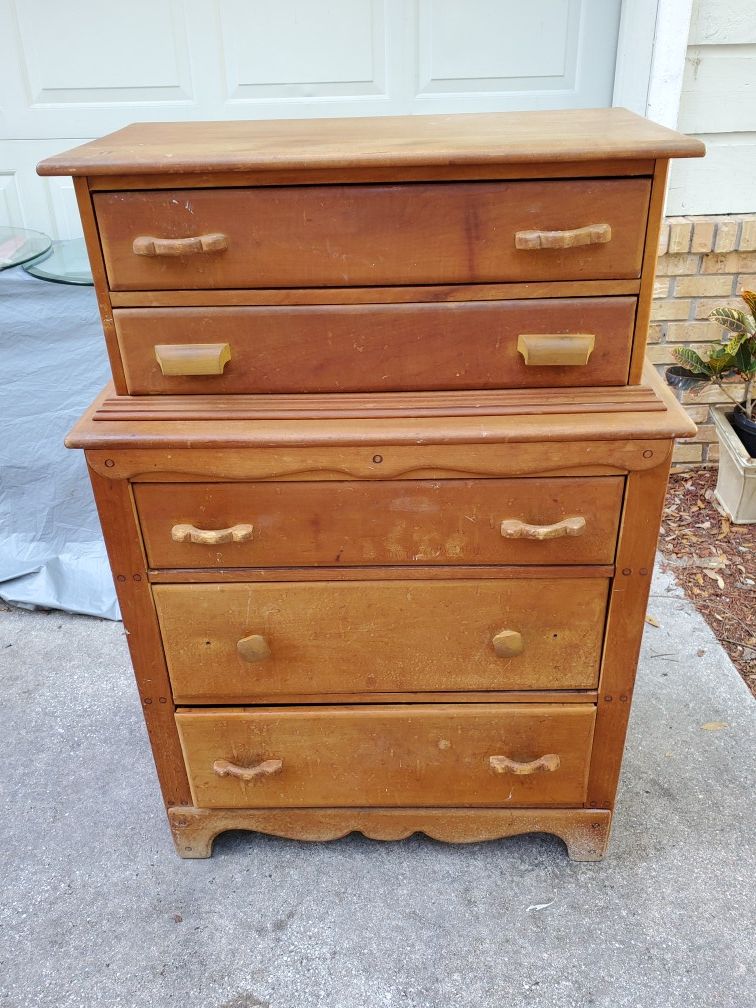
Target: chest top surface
576	135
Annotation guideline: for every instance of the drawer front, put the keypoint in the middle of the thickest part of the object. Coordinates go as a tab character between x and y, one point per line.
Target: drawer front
417	755
358	523
375	347
235	643
417	233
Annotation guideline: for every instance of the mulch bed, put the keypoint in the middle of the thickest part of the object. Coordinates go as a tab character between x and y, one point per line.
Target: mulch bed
714	562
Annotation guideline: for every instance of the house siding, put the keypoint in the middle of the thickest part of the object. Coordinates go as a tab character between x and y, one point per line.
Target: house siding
718	104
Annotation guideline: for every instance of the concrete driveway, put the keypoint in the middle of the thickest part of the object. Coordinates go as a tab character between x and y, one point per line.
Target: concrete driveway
98	910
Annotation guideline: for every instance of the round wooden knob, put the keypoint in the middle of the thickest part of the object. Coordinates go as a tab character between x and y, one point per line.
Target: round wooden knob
253	648
508	643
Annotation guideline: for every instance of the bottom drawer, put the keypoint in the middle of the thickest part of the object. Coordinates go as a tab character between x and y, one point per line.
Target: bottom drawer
388	755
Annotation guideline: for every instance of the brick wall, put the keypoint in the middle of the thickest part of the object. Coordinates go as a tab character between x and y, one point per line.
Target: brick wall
703	262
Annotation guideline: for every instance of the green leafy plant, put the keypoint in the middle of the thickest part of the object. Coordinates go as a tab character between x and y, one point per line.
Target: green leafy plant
734	356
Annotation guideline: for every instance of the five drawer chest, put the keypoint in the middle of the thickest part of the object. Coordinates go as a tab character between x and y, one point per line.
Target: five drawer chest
381	471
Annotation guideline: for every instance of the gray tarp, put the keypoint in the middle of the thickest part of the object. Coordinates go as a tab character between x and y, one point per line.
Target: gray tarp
53	363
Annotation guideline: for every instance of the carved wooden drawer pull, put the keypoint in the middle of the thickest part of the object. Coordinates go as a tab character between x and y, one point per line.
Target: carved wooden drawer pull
223	768
192	358
253	648
508	643
544	764
567	349
513	528
146	245
592	234
211	537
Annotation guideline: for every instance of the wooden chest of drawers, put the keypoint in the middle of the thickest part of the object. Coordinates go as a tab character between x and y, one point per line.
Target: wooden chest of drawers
381	473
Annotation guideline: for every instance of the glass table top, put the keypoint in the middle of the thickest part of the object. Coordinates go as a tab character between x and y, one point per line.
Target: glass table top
19	245
66	262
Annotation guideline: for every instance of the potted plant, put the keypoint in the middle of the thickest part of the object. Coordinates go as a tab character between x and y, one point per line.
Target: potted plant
734	357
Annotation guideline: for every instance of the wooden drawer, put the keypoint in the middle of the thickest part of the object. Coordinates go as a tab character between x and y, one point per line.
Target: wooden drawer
237	643
375	347
386	755
358	523
413	233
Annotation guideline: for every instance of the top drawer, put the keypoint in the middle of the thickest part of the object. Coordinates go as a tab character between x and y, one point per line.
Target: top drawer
342	235
560	520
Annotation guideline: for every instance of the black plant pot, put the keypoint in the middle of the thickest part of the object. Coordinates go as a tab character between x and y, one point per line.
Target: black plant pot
745	429
680	378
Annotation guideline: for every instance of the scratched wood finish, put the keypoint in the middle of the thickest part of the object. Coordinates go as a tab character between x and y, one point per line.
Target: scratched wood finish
416	233
375	347
599	168
100	280
346	406
116	510
391	522
547	696
549	433
160	463
218	575
428	293
385	142
585	832
366	637
650	259
625	624
403	665
393	755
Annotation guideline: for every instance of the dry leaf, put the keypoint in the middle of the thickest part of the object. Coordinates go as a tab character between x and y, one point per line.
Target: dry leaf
652	621
714	725
715	577
712	563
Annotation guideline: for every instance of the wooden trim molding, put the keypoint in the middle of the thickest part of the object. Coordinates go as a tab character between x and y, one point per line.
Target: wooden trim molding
347	176
584	831
241	575
520	422
394	143
100	278
345	406
650	256
430	293
639	529
115	506
380	462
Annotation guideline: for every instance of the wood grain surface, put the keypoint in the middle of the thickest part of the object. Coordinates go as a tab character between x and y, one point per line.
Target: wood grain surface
374	347
378	636
370	523
641	516
418	755
524	424
115	507
347	406
406	294
384	142
584	831
331	236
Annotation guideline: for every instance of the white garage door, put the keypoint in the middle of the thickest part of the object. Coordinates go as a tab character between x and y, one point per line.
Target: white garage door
74	70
